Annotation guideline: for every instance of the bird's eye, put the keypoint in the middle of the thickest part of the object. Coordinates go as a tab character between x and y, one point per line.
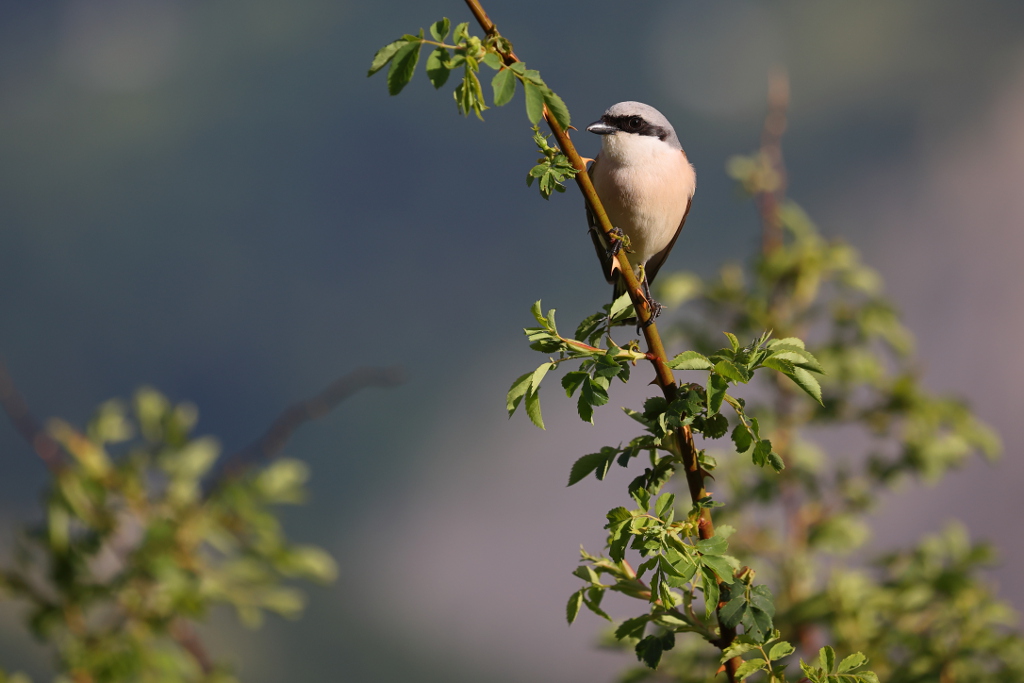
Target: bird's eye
635	123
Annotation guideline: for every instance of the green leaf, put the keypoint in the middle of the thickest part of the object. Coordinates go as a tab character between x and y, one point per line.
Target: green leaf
732	612
733	342
827	659
720	566
806	381
664	504
852	662
632	628
461	32
533	408
599	463
717	386
534	102
780	650
716	545
572	380
796	355
749	667
738	647
538	375
690	360
573	608
403	65
516	393
716	426
504	84
437	67
592	599
729	370
594	393
711	592
492	60
585	409
384	55
557	107
538	313
439	29
742	437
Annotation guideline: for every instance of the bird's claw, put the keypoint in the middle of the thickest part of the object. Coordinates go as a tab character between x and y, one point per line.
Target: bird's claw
616	238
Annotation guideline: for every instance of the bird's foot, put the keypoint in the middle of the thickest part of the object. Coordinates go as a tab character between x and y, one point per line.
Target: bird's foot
616	241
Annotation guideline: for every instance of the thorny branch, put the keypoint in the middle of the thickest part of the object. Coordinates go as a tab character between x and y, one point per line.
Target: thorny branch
665	378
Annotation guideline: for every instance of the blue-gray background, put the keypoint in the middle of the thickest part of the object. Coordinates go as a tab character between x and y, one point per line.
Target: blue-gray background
212	198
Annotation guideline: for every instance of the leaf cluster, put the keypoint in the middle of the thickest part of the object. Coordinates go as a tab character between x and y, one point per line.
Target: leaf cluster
468	52
133	546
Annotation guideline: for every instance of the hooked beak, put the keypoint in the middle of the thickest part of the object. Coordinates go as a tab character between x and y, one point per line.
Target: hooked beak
602	128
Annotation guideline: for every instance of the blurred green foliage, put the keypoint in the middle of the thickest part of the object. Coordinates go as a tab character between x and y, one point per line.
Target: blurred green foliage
921	614
135	549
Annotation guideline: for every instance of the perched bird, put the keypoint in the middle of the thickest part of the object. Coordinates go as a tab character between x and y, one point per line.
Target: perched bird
646	184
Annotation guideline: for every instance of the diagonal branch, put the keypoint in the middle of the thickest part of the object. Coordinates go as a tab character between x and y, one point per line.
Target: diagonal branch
665	378
25	423
294	416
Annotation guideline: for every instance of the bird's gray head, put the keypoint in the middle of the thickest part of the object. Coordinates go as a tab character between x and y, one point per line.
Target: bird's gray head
636	118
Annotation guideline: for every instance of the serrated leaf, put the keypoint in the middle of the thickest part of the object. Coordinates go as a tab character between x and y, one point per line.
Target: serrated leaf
742	437
664	504
585	410
594	393
384	55
516	393
780	650
711	591
504	85
594	603
733	342
720	566
534	102
732	612
729	370
437	67
716	426
599	463
806	381
717	386
571	381
716	545
439	29
632	628
798	356
538	375
557	107
572	609
749	667
403	66
533	408
690	360
781	364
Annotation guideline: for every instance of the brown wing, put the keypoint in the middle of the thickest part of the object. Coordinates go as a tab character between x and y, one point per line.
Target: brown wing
597	236
655	262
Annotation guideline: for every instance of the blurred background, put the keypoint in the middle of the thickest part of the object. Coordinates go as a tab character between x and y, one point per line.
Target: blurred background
213	199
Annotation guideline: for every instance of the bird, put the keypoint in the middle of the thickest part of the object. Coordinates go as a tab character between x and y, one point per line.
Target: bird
646	185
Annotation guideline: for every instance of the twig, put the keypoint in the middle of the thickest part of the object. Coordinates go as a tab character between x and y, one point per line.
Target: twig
274	440
665	378
25	422
768	201
184	635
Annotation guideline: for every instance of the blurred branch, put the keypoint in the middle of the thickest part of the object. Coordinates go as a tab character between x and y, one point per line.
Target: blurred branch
25	422
768	201
184	635
274	440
